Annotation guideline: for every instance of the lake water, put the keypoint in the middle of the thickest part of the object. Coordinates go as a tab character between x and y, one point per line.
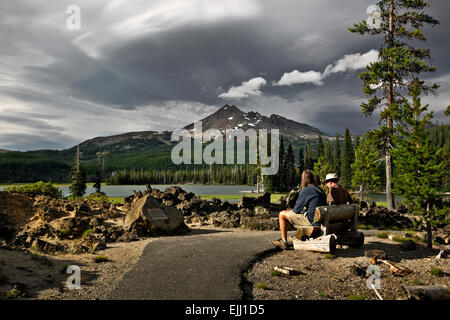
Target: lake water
125	191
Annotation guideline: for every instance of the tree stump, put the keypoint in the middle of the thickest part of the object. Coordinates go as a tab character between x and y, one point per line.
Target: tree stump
304	233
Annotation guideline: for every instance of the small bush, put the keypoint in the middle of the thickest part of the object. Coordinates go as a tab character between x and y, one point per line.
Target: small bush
382	235
404	239
416	282
357	297
12	294
329	256
86	233
262	285
98	197
38	188
437	272
275	273
100	259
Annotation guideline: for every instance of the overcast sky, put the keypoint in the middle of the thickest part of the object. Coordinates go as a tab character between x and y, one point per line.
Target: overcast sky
137	65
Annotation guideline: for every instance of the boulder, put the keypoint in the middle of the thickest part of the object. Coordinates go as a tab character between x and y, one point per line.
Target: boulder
148	216
90	243
377	254
174	221
224	219
69	226
46	246
262	212
408	245
16	210
291	199
251	202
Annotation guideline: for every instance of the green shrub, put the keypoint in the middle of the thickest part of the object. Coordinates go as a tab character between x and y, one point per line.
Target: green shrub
357	297
86	233
382	235
437	272
98	197
275	273
38	188
12	294
262	285
100	259
404	239
324	295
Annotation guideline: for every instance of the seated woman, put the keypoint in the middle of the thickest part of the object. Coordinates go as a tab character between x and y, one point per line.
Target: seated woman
310	197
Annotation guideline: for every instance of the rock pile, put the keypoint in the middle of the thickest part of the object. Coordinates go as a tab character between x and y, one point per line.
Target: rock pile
50	225
378	216
256	213
55	225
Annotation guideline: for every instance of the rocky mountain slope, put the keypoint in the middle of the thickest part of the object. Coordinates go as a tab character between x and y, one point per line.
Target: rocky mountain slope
231	117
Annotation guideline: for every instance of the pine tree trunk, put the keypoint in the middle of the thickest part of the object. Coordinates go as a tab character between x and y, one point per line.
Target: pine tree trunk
390	99
429	230
429	235
389	195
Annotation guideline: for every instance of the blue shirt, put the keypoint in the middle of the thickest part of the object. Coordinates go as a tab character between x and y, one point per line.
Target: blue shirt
311	197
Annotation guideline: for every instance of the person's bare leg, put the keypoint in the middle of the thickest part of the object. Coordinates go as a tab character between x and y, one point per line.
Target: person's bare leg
283	225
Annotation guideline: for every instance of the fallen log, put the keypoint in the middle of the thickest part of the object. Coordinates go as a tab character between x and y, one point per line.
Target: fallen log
335	213
321	244
287	270
396	268
427	292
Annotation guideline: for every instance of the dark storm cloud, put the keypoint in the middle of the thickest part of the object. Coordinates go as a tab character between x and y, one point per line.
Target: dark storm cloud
26	142
105	67
334	119
29	122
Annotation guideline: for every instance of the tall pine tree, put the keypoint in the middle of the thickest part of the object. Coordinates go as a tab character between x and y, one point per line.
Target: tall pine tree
416	162
337	156
77	177
308	159
301	162
320	150
291	174
367	159
328	155
348	157
99	174
399	21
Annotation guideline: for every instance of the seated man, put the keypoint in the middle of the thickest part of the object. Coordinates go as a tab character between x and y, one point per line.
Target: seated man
337	194
310	197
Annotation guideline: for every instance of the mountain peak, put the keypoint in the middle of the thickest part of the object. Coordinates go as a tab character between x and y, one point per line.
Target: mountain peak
229	108
231	117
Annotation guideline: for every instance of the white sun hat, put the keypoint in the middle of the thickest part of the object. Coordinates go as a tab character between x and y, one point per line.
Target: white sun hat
331	176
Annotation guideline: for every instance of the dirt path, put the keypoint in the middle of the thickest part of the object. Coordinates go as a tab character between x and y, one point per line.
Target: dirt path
323	276
209	264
